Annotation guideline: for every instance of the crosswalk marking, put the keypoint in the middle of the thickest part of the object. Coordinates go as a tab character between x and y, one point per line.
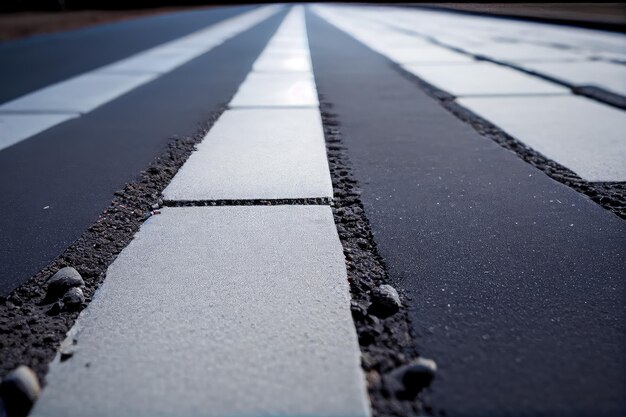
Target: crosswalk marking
486	79
88	91
579	133
262	89
607	75
16	127
592	146
80	94
207	303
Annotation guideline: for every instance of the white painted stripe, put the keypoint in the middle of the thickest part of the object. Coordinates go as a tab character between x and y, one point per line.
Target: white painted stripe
281	61
584	136
86	92
218	311
483	78
16	127
259	151
276	89
257	154
610	76
80	94
282	76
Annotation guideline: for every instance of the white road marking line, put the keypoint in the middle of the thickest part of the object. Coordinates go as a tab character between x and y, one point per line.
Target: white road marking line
218	311
486	79
80	94
585	136
611	77
282	75
86	92
276	89
223	311
522	52
257	154
16	127
426	54
281	61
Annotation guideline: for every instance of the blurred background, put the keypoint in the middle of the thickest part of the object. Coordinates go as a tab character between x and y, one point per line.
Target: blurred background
20	18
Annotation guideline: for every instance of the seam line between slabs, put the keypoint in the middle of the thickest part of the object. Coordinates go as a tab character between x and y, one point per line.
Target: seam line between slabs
311	201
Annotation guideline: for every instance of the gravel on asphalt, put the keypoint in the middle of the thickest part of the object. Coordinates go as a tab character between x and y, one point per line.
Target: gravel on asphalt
387	344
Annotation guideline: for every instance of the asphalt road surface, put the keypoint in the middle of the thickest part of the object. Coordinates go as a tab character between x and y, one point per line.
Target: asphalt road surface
511	277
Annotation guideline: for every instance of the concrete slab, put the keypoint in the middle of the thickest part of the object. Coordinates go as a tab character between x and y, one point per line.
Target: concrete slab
483	78
79	94
257	154
279	61
581	134
218	311
605	75
287	44
434	54
16	127
524	52
264	89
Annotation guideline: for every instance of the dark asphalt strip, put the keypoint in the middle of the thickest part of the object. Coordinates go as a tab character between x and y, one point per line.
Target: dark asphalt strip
515	280
74	168
385	340
36	62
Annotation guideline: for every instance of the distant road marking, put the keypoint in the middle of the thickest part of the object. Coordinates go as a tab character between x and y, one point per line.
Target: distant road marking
578	133
486	79
262	89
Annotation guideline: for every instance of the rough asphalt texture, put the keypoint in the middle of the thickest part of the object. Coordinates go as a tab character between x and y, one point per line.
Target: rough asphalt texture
74	168
516	281
386	343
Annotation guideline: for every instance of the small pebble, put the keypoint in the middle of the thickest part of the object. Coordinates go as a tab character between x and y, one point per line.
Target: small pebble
385	301
74	297
63	280
19	389
416	376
